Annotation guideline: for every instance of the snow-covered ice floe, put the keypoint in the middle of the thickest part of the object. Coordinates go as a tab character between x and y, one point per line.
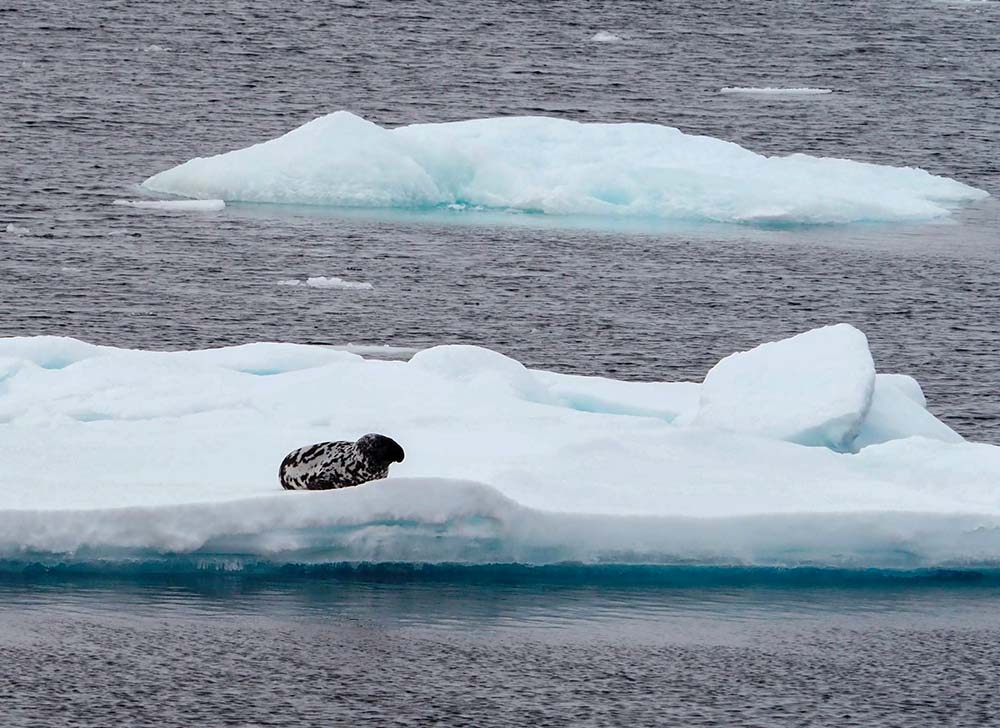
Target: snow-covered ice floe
174	205
324	282
118	455
775	91
558	167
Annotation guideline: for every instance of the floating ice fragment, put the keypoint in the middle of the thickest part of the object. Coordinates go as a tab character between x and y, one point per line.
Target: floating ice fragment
554	166
772	91
17	230
323	282
174	205
603	36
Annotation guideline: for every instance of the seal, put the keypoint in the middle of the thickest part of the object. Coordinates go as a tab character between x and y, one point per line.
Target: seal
340	464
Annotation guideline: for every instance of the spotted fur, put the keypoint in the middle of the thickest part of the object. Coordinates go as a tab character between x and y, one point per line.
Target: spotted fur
341	464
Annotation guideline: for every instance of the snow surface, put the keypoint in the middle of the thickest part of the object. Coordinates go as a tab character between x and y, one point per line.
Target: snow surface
174	205
555	166
774	91
118	454
323	282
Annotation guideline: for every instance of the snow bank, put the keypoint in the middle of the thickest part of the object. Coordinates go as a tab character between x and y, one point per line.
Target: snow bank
174	205
812	389
772	91
554	166
323	282
116	454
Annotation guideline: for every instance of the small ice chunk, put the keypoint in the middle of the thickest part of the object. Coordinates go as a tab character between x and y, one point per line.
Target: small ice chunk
323	282
898	411
178	205
17	230
774	91
603	36
811	389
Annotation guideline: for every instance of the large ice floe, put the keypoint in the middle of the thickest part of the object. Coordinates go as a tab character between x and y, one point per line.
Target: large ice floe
560	167
795	453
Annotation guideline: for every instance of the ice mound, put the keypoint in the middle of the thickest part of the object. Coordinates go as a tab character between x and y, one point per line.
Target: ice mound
898	409
174	205
117	454
323	282
773	91
559	167
812	389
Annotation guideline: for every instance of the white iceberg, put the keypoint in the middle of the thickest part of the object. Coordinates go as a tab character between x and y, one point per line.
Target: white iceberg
603	36
559	167
114	454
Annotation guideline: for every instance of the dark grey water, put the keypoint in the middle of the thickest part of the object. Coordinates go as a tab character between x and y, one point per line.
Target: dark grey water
233	652
94	100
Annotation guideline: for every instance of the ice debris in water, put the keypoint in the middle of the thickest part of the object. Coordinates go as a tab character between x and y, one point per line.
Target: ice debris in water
772	91
504	464
555	166
323	282
174	205
603	36
16	230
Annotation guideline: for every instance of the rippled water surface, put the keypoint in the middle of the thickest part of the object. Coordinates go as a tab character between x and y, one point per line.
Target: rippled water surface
95	100
231	651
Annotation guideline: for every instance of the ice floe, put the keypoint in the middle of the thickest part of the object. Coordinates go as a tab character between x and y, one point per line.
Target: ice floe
603	36
324	282
559	167
775	91
116	454
174	205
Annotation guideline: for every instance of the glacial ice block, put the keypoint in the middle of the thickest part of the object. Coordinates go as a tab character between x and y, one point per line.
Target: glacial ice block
559	167
812	389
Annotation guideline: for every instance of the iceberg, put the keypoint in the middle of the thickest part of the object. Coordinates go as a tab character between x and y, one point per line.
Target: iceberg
558	167
122	456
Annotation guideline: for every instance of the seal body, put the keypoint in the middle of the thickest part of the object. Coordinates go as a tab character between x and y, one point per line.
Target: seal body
340	464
